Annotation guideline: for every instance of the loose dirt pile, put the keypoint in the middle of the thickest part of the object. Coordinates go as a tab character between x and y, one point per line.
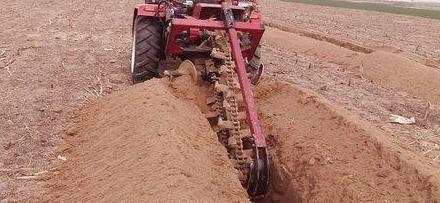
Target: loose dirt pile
144	144
323	154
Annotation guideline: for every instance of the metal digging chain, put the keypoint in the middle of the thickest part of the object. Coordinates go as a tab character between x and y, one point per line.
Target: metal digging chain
233	112
222	134
227	107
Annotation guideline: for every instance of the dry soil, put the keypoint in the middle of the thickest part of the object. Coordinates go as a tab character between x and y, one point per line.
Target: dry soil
339	74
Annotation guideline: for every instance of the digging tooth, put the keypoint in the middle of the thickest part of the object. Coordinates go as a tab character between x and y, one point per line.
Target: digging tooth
225	104
246	133
241	116
211	115
221	88
225	124
211	100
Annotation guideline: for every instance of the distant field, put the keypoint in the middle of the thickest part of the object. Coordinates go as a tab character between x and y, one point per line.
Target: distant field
426	13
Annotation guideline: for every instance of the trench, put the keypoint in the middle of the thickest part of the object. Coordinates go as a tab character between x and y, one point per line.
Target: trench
321	153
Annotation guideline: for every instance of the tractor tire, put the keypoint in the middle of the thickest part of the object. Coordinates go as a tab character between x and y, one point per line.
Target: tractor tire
255	67
146	49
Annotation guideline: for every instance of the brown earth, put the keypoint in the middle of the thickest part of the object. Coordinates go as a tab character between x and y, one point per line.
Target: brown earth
371	82
385	68
416	37
61	55
144	144
322	153
54	56
124	140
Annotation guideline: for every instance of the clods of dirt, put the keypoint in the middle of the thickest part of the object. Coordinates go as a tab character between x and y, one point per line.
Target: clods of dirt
153	143
144	144
321	153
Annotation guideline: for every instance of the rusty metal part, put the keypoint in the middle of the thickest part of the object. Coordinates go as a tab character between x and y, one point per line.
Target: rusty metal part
231	122
185	68
188	68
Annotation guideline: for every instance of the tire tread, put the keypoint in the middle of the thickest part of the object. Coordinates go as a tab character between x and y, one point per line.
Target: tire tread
147	49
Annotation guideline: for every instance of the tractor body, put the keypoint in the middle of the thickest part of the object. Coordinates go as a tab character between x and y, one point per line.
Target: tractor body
201	18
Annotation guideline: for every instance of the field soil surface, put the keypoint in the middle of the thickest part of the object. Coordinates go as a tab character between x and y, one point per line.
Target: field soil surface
72	128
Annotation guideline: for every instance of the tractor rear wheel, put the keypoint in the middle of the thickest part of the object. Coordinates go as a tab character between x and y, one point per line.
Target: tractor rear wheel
255	67
146	49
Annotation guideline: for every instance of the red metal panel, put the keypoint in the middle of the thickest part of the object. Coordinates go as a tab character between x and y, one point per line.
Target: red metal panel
149	10
246	91
205	10
256	29
248	98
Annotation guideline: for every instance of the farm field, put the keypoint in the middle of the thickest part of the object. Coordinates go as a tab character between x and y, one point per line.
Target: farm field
73	127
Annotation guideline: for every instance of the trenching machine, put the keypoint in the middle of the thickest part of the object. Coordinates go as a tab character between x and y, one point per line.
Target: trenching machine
218	41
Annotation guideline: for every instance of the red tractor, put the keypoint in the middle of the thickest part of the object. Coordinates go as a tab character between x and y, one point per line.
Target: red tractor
219	41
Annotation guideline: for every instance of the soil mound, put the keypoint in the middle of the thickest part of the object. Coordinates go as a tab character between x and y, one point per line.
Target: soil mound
145	144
